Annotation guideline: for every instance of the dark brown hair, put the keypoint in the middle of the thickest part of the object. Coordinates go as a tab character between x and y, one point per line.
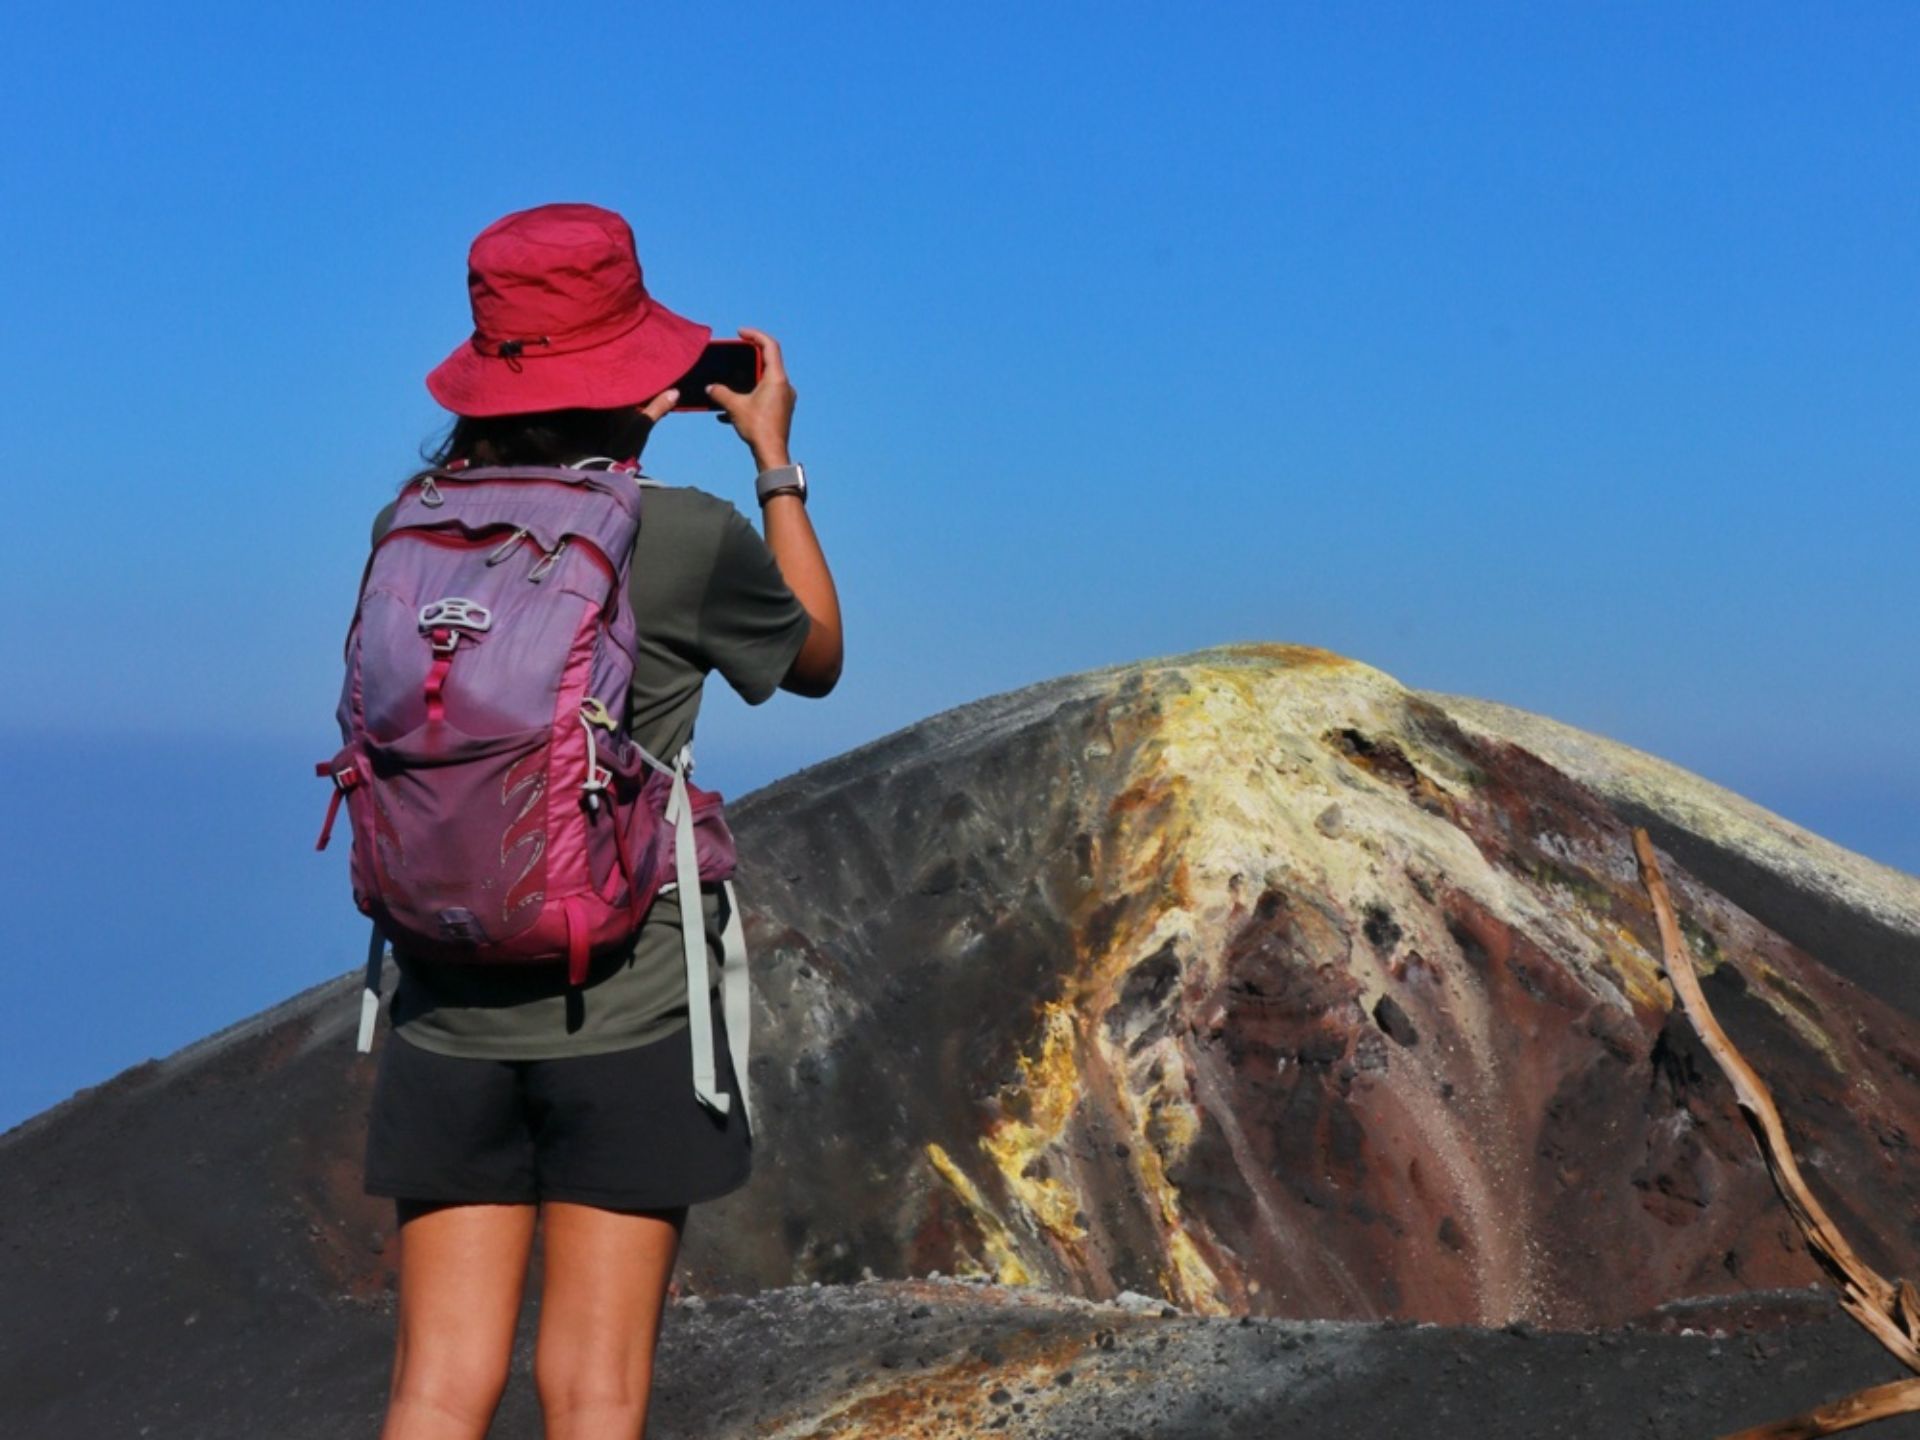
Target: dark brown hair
545	437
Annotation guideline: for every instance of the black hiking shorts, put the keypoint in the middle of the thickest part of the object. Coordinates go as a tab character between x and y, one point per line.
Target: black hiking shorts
621	1130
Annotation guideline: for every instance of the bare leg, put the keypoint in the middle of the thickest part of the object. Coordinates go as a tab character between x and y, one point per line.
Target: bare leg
463	1269
606	1274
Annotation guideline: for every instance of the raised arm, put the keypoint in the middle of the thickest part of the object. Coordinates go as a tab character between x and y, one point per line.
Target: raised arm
763	418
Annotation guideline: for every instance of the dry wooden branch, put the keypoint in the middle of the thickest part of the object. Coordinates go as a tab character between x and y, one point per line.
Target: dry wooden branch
1898	1397
1889	1310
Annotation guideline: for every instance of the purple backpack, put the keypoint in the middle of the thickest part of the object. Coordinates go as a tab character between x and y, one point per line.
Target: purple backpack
501	813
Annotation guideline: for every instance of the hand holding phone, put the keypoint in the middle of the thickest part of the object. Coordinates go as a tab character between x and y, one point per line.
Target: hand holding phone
763	414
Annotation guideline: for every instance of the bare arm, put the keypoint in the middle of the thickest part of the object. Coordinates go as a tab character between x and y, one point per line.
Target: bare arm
764	419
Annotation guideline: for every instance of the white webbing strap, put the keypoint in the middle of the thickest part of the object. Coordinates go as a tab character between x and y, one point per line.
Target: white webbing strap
370	996
736	999
693	934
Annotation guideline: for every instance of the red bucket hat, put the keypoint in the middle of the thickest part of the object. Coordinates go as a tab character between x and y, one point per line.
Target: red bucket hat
561	319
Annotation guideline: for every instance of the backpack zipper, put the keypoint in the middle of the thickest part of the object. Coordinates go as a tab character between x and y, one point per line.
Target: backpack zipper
507	546
539	572
429	485
474	542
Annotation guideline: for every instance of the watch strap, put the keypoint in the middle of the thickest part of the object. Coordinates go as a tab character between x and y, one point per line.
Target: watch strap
781	480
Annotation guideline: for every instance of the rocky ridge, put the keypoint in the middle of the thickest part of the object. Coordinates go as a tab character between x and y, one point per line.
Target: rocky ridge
1254	980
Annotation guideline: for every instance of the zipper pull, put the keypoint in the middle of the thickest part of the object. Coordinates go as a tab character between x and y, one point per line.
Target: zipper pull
507	546
539	572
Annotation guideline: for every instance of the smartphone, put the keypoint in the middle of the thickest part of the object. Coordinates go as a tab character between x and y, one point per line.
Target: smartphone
732	363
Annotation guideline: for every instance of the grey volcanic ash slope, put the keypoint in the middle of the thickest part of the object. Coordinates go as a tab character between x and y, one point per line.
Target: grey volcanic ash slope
1248	979
1252	979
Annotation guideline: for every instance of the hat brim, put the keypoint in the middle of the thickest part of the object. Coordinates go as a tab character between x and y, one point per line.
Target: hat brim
627	370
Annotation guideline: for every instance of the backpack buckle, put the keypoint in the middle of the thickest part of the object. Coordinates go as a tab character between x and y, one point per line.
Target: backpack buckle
456	610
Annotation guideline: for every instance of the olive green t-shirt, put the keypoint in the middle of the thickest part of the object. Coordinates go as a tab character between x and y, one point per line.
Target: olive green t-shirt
707	595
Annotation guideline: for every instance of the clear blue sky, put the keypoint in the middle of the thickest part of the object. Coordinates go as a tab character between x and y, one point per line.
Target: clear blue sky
1564	355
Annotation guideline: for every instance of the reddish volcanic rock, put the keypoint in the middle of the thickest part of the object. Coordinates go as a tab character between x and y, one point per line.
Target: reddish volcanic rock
1252	979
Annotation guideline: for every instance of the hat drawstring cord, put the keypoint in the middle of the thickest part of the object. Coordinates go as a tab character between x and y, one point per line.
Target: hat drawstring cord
510	350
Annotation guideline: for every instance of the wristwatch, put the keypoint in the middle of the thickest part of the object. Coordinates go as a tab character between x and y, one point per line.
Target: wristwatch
781	480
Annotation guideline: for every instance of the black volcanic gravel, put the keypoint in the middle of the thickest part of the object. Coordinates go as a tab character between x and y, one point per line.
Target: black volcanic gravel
946	1358
1139	1374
